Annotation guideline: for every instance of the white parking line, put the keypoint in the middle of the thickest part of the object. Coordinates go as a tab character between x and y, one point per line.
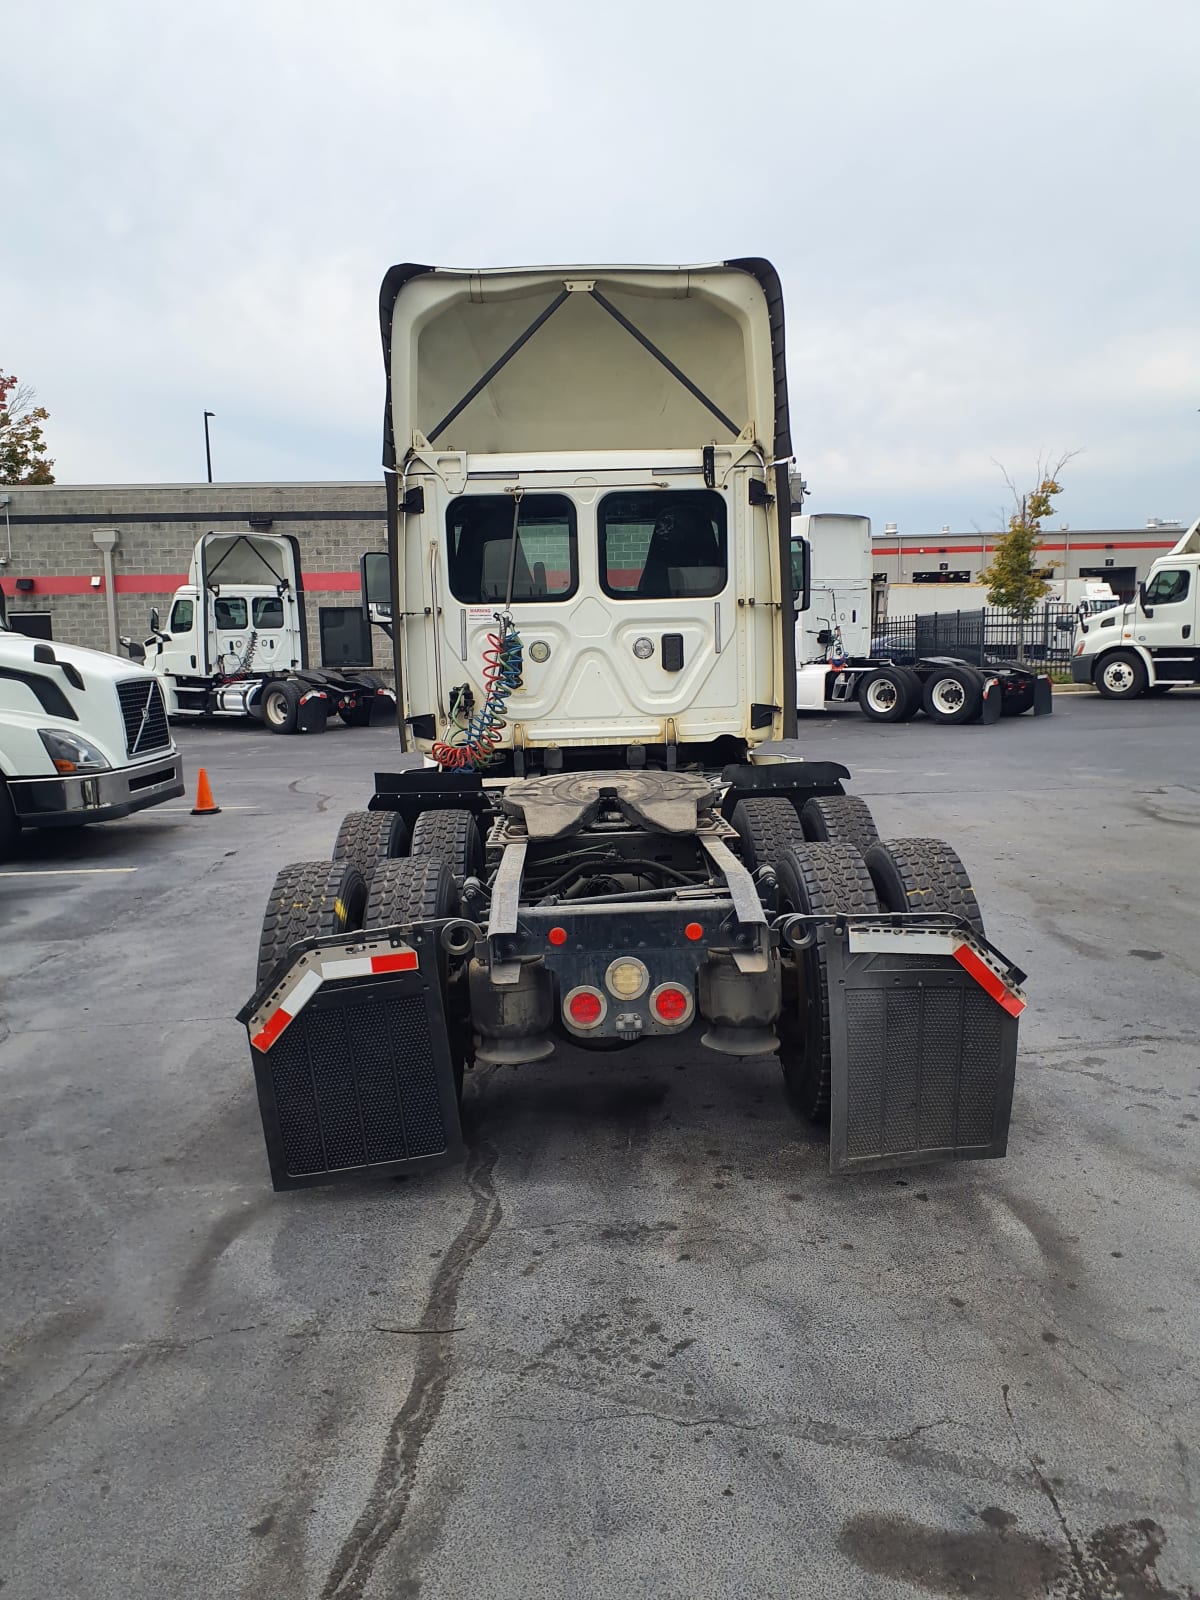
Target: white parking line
62	872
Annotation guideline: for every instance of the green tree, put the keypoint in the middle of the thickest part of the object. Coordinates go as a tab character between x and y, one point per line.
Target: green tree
22	445
1015	578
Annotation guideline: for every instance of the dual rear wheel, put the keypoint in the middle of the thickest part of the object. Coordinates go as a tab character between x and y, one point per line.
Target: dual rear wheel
829	861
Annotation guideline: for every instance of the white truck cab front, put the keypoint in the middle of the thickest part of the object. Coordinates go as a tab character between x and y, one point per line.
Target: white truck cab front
83	737
1152	643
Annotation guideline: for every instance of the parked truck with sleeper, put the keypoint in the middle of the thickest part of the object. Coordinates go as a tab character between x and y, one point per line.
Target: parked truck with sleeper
1153	643
83	738
601	827
236	645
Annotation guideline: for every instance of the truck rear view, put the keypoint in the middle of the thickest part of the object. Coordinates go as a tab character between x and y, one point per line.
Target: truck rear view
601	828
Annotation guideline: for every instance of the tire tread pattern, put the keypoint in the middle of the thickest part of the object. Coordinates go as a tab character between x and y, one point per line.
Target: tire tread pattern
831	879
768	827
923	875
451	836
368	838
839	819
309	900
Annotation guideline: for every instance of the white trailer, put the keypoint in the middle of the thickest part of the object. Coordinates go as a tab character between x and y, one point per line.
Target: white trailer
83	737
235	643
1153	643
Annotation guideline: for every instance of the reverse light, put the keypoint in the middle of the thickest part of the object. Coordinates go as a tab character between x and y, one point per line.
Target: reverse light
71	752
627	978
671	1004
585	1007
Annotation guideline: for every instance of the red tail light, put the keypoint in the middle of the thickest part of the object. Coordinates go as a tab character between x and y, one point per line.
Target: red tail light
670	1003
585	1008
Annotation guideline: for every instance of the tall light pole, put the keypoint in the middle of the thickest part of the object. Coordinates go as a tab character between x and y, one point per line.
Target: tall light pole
207	445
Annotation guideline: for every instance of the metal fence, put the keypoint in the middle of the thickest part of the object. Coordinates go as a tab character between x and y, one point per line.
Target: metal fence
1042	639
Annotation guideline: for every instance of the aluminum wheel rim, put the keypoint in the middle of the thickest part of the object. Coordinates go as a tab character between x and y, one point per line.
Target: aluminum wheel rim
276	707
882	695
1118	675
948	696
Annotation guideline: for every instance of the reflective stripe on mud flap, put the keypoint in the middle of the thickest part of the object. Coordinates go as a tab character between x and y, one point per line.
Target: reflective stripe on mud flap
297	995
944	942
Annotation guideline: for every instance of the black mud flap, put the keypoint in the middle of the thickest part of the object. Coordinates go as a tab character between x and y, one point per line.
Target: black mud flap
923	1061
991	705
358	1080
1043	696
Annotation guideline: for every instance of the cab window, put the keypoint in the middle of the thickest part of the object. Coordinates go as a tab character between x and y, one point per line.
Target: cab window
229	611
181	617
663	546
479	540
1165	588
268	611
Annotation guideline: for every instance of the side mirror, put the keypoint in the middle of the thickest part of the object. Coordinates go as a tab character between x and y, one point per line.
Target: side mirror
800	574
133	650
376	586
1141	594
154	624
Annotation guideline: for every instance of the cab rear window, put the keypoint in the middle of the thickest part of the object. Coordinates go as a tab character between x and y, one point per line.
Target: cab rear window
666	546
268	612
479	545
229	611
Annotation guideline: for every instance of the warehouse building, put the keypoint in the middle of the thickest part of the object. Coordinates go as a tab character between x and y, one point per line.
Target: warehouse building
85	563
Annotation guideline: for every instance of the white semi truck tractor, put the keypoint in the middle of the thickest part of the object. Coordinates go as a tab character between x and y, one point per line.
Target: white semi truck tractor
1153	643
235	643
600	829
83	738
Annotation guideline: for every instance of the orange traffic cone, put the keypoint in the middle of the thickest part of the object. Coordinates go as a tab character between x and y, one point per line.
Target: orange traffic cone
205	805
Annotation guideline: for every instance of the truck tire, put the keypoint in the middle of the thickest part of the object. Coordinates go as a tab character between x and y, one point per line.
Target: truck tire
952	694
923	875
369	837
1121	675
914	692
309	900
419	889
886	695
453	837
10	828
839	819
281	705
818	880
356	716
768	828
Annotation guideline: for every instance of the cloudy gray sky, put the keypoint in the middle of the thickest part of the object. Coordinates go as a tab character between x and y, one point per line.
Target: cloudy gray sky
984	215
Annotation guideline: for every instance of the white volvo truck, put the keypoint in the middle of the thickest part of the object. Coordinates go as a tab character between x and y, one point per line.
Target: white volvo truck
1153	643
83	738
236	644
600	827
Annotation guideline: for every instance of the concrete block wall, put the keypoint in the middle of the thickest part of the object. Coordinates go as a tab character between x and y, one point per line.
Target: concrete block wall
46	535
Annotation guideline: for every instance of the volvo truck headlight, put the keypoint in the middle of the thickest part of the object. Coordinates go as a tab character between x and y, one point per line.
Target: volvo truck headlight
71	752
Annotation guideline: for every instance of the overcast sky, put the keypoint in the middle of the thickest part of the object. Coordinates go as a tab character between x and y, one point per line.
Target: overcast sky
985	217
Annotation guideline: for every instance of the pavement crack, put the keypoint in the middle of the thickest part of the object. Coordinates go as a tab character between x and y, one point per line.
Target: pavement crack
1080	1565
382	1517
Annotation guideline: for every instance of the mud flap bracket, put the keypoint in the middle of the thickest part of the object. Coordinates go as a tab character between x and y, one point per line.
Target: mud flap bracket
923	1036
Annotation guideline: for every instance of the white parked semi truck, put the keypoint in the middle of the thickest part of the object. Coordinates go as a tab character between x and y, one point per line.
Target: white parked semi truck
83	738
836	664
1153	643
236	645
600	828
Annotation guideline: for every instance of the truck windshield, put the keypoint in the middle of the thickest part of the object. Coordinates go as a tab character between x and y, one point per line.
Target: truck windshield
479	532
663	546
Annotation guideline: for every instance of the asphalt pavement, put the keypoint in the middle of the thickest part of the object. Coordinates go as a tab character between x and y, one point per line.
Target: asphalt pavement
641	1343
